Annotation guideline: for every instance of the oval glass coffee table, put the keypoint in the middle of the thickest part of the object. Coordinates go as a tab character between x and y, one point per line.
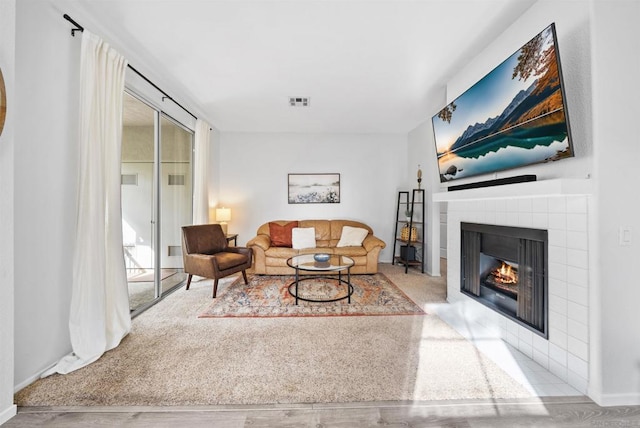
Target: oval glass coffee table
321	270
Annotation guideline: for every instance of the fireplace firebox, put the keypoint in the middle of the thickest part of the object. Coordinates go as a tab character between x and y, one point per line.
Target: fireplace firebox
505	269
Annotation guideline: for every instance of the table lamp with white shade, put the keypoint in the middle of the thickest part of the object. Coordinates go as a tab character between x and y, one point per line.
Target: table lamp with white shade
223	215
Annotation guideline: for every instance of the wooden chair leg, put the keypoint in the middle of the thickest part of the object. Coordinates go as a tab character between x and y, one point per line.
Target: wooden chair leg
215	287
244	274
189	281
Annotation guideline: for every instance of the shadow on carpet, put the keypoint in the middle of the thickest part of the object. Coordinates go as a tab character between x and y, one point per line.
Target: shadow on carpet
268	296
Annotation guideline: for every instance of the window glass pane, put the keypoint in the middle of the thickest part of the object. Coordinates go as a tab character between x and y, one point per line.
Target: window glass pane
176	197
137	168
156	200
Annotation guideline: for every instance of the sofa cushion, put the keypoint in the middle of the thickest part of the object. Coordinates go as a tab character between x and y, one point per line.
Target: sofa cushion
323	229
352	236
229	260
350	251
281	234
280	253
303	237
336	229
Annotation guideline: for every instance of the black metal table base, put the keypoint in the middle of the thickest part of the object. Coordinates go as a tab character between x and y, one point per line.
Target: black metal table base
306	278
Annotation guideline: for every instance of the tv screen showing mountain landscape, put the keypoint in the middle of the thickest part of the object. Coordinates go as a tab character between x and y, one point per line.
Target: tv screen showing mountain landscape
514	116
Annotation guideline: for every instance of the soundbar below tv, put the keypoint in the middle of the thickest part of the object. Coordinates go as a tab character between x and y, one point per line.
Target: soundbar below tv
497	182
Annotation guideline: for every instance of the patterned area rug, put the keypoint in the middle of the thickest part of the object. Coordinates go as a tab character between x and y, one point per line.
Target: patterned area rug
268	296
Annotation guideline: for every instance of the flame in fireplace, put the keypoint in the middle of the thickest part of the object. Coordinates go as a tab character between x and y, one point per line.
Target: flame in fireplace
505	274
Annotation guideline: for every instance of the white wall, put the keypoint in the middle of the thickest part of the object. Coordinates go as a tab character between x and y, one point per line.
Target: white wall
214	174
422	151
254	168
616	67
567	352
47	67
595	39
7	275
572	28
47	63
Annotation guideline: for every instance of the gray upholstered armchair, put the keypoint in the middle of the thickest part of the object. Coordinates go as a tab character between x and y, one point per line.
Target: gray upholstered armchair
207	253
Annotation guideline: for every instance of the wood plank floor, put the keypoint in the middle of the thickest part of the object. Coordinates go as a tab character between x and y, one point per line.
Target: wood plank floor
540	412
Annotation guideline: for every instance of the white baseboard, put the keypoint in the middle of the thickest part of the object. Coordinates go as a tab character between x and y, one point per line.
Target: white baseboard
8	413
26	382
32	379
609	400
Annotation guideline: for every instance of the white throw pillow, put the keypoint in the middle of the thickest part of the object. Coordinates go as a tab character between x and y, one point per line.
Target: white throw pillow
352	236
303	237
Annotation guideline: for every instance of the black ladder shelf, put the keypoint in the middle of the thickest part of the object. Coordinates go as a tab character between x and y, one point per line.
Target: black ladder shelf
408	250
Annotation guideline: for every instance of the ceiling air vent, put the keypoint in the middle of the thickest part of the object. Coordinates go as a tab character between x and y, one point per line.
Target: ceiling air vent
299	101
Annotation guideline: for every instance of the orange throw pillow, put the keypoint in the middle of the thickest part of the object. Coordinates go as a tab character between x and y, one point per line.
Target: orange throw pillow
281	235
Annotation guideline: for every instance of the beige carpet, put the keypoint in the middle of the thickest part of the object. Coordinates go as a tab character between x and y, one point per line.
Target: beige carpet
172	357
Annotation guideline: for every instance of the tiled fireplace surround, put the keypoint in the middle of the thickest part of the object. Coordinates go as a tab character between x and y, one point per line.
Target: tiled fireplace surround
561	207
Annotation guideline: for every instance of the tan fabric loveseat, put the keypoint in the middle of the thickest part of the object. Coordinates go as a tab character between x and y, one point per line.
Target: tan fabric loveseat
272	260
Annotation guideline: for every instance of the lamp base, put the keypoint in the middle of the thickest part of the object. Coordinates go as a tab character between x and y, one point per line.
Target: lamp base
224	227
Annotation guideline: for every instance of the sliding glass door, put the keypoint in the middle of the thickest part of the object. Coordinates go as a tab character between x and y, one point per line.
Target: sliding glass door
156	200
176	198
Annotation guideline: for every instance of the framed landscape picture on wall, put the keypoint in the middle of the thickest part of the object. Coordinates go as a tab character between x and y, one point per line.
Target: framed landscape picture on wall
314	188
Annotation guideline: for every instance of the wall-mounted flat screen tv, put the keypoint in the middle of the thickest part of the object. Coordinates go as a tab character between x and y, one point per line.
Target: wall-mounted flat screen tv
514	116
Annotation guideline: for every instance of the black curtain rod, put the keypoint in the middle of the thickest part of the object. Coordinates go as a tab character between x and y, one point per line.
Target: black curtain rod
166	96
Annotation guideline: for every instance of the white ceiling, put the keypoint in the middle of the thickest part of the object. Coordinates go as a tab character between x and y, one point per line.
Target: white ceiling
376	66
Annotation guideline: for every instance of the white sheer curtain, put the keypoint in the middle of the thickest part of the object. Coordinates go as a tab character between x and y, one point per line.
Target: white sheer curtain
201	173
99	316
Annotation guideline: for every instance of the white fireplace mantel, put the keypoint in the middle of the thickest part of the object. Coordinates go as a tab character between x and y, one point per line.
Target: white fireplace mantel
560	206
531	189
